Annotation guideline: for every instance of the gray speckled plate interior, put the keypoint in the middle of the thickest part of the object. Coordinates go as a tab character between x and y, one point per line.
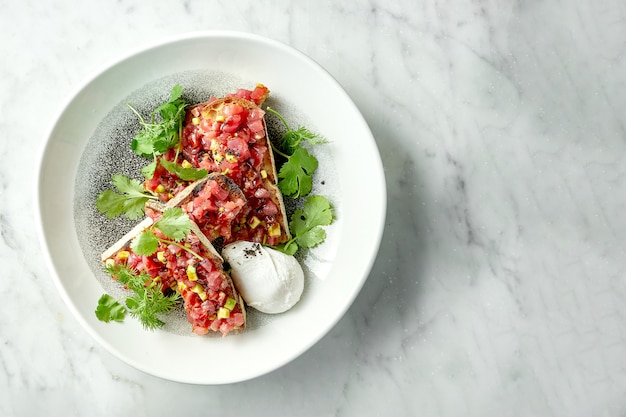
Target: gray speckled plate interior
108	152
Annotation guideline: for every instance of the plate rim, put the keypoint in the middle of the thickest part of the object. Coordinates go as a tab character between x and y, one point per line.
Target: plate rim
107	66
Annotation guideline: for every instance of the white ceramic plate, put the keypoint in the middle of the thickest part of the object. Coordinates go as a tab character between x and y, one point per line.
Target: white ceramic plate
351	177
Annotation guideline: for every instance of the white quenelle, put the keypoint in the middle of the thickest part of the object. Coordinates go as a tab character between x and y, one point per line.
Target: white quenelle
268	280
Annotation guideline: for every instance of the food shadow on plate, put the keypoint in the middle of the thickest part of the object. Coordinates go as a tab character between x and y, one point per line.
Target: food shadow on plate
108	152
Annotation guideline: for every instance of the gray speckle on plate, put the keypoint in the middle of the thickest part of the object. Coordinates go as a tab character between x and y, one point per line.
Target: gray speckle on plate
108	152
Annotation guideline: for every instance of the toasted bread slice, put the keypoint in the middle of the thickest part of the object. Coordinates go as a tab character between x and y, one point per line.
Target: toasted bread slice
210	298
213	203
229	135
164	184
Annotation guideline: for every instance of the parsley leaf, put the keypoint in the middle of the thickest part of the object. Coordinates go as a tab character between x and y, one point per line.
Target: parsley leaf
109	309
156	137
186	174
305	225
129	200
296	175
148	170
174	224
145	243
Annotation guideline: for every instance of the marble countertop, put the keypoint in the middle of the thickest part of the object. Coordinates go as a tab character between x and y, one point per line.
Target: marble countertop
499	288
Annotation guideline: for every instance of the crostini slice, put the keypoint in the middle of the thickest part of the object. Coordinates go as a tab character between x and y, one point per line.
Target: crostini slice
229	135
210	299
213	203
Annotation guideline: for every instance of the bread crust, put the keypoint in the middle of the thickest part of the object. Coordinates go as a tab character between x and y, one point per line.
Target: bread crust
211	253
214	110
187	196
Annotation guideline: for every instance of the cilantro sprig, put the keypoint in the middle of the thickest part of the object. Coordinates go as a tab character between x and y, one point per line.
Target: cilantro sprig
174	224
129	200
161	133
295	181
184	173
148	300
157	136
306	224
145	304
293	139
296	173
109	309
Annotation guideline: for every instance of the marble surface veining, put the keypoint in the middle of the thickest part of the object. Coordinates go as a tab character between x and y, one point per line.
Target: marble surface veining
499	288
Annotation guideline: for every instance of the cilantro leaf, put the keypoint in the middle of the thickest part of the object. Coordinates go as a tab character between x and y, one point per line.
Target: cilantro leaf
145	243
109	309
143	142
174	224
186	174
306	225
148	170
176	93
289	248
111	203
312	237
168	111
156	137
130	200
162	145
296	174
126	185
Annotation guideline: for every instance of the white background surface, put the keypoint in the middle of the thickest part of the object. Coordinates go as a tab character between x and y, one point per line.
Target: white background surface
499	288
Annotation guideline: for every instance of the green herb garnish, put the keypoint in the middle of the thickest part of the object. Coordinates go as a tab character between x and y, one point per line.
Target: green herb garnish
296	173
160	133
185	174
293	139
305	225
174	224
148	299
129	200
109	309
146	303
157	136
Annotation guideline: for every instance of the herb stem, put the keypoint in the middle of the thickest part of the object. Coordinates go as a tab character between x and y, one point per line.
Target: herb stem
282	119
278	151
183	247
180	142
136	112
280	116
